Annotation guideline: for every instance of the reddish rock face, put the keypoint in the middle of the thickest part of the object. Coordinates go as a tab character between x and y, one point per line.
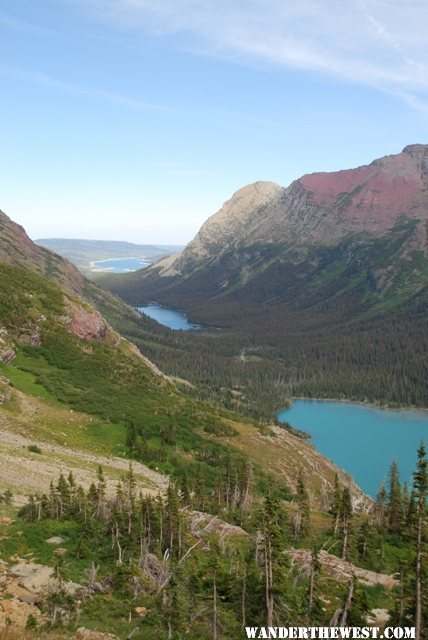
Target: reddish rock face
375	196
87	324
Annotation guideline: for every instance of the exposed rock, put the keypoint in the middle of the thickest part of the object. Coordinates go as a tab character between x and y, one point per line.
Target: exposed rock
203	525
88	634
342	570
33	577
70	587
141	612
87	324
29	598
378	617
7	355
15	612
55	540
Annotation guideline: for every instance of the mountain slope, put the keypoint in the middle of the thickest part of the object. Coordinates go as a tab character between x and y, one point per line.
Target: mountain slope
16	248
328	278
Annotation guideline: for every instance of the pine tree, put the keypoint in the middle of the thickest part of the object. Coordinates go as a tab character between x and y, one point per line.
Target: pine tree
345	518
275	558
395	499
336	502
101	493
420	486
314	603
380	507
302	520
174	524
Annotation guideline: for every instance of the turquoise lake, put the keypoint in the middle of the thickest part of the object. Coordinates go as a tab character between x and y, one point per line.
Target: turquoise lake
361	439
122	265
168	317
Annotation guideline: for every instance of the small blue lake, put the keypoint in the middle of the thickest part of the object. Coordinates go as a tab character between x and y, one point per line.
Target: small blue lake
361	439
121	265
168	317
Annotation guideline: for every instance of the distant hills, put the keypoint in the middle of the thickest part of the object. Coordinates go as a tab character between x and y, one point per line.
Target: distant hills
83	252
328	262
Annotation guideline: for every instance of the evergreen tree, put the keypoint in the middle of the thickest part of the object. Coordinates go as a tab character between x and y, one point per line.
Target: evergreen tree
420	486
345	518
395	499
380	507
335	504
302	519
275	559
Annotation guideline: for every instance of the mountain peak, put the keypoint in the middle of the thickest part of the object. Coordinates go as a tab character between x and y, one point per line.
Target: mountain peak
418	153
415	149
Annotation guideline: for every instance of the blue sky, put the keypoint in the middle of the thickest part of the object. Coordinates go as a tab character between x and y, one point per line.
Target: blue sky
136	120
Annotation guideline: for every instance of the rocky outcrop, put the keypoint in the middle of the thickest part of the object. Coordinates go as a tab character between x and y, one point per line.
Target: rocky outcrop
32	577
87	324
204	525
7	350
23	589
89	634
5	390
342	570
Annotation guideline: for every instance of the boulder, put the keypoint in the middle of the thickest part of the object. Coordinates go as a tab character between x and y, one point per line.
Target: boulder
16	613
55	540
141	612
70	587
30	598
33	577
88	634
378	617
7	355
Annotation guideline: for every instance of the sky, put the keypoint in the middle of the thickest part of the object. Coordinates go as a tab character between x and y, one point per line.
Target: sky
137	119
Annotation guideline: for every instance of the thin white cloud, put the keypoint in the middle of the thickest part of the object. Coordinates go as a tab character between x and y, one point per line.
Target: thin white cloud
75	89
381	43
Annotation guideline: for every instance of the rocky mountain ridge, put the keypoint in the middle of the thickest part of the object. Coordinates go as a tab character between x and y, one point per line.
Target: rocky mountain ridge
318	208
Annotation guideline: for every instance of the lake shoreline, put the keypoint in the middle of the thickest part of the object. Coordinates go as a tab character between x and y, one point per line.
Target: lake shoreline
195	326
363	403
360	437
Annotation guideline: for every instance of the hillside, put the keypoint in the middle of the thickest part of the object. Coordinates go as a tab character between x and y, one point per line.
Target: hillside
312	278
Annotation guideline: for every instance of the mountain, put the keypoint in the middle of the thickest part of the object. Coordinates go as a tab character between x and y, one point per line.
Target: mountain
84	252
320	208
264	223
177	518
329	263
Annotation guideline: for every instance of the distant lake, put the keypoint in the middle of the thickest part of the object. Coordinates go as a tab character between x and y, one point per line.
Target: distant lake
168	317
120	265
361	439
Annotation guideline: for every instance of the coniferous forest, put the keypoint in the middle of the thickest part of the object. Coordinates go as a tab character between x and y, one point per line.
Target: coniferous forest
158	567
